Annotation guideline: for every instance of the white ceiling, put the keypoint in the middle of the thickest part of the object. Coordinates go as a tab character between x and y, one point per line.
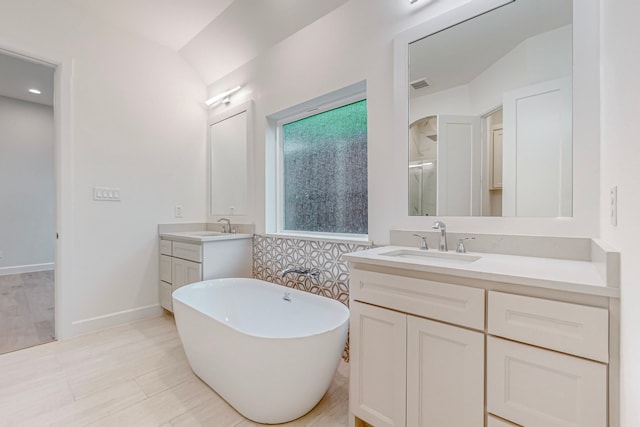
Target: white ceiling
19	75
246	29
168	22
214	36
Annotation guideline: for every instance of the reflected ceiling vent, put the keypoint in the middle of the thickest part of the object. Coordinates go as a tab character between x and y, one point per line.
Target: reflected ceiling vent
419	84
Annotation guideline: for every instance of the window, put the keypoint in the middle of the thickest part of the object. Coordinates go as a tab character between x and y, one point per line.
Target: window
322	170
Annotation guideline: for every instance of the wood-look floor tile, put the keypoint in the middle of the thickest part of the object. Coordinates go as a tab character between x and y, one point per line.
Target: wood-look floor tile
213	412
165	377
160	408
132	375
92	408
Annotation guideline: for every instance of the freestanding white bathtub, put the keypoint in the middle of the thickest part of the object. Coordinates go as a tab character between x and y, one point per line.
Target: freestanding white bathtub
270	358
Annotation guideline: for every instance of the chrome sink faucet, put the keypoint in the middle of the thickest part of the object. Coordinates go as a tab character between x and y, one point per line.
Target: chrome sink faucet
226	228
439	225
423	243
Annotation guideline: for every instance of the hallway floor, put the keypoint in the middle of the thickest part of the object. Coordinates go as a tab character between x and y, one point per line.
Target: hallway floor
131	375
26	310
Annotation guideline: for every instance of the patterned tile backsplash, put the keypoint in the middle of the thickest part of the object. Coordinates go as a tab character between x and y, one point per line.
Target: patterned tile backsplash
273	254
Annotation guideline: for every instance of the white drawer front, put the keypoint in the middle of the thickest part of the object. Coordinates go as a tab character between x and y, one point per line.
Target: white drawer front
165	268
187	251
165	296
165	247
535	387
456	304
570	328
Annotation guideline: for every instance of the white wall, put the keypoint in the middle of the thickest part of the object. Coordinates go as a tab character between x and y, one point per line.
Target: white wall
351	44
621	166
26	185
132	119
355	43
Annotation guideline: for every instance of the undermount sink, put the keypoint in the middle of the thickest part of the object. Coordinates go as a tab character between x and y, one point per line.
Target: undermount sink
427	255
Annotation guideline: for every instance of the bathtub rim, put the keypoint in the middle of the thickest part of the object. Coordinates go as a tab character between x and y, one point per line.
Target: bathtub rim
345	310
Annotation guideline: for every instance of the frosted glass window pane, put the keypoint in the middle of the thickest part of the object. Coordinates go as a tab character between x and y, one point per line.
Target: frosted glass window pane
325	171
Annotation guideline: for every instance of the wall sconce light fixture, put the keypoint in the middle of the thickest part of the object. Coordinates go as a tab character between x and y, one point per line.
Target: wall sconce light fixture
222	97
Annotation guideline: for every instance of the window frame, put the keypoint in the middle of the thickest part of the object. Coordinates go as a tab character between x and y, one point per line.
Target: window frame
296	114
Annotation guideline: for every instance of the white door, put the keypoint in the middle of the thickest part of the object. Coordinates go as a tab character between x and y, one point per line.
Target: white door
537	147
445	375
378	365
459	165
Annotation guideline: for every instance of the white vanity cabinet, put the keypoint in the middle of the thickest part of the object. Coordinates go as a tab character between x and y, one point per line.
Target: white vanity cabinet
182	262
426	351
410	370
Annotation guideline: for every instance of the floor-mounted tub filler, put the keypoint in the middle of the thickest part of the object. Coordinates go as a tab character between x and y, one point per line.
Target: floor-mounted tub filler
269	351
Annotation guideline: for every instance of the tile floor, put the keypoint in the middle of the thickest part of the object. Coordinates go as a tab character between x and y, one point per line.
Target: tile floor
26	310
132	375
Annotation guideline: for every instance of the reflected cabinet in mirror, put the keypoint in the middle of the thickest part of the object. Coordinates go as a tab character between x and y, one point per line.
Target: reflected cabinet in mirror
490	114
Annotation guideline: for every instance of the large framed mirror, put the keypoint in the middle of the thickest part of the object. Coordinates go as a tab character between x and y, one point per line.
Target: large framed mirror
490	125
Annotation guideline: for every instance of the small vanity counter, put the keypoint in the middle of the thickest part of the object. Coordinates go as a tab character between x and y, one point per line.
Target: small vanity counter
202	236
477	338
193	252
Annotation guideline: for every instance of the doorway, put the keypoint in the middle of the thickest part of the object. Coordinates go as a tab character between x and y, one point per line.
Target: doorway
27	197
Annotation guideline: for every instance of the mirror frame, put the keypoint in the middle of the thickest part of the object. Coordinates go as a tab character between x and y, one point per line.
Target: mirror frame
231	111
586	125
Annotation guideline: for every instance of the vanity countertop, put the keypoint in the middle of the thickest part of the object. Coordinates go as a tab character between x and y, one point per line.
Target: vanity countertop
202	236
560	274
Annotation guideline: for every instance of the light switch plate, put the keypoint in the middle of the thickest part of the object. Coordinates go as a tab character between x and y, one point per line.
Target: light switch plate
106	194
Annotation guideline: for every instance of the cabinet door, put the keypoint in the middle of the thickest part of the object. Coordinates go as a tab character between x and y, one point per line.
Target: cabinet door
165	296
534	387
184	272
445	375
378	365
165	268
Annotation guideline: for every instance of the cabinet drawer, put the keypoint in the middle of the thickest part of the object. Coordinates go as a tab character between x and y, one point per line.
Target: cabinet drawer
187	251
569	328
165	268
456	304
535	387
165	247
165	296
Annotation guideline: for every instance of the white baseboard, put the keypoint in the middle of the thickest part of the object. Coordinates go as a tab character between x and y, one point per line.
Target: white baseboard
32	268
79	327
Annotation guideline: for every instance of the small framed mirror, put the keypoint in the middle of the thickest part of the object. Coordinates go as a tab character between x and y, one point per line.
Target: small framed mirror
230	159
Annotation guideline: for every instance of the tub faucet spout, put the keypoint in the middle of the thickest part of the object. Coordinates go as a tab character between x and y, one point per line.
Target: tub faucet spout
309	272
